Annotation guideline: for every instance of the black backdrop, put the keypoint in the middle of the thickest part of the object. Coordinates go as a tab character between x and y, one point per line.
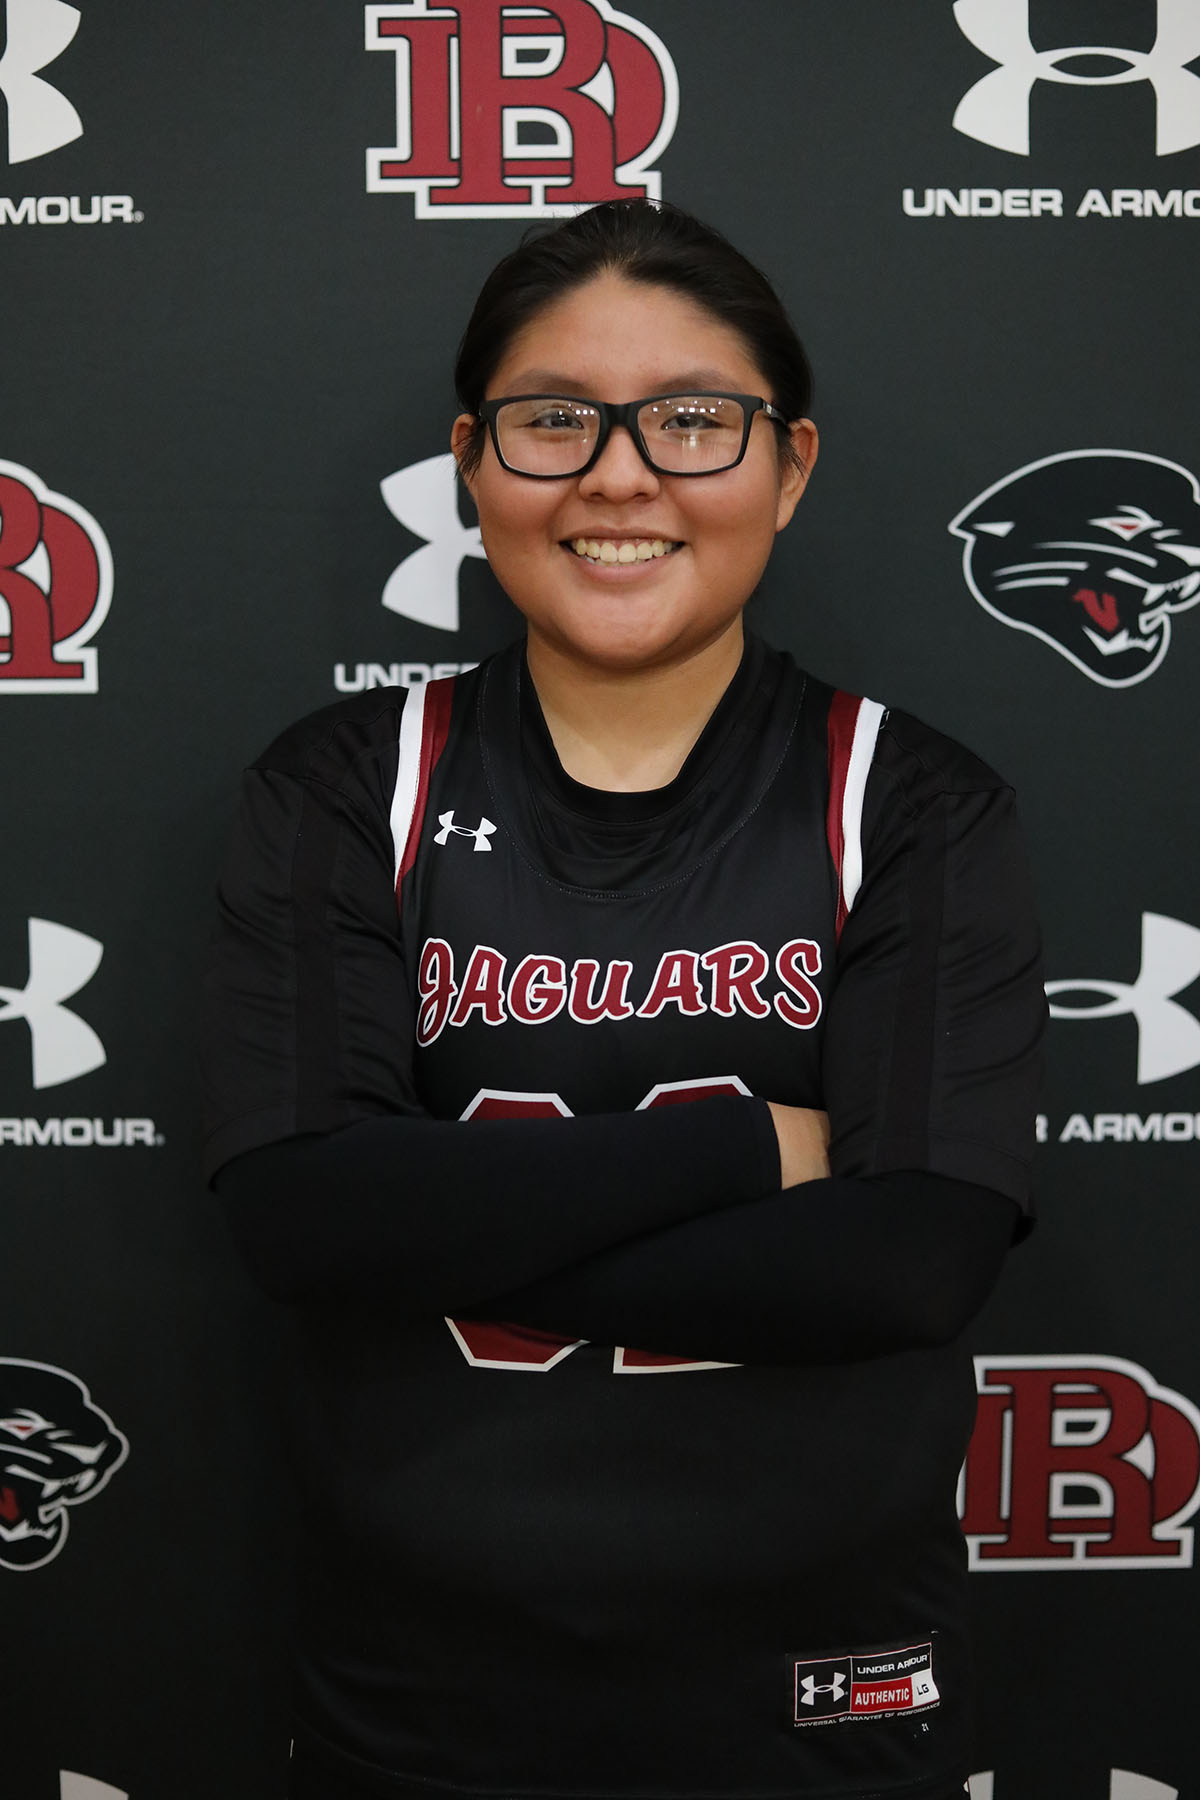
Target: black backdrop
224	328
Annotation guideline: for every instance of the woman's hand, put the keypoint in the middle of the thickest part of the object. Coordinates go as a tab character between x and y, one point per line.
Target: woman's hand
803	1135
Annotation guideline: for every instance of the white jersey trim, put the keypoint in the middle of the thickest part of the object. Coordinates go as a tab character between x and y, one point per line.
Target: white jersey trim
408	773
862	751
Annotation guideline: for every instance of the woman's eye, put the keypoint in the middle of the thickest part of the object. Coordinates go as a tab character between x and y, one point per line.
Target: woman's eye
690	422
556	419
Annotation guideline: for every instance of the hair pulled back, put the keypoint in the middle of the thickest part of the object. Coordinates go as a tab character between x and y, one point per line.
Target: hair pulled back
644	241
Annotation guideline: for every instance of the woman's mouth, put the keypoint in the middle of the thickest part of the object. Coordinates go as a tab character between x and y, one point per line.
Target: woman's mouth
622	550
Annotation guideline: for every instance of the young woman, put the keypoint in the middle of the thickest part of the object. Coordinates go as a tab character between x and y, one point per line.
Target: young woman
623	1056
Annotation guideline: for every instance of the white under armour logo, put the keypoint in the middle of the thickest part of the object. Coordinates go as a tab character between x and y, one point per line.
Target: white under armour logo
1168	1035
481	832
1124	1784
86	1787
61	961
835	1689
40	119
996	109
424	498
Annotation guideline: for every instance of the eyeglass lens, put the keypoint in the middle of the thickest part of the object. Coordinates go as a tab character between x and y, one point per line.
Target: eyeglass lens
683	433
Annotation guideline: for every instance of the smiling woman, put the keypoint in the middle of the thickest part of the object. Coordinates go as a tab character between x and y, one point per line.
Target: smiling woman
618	564
626	606
721	1061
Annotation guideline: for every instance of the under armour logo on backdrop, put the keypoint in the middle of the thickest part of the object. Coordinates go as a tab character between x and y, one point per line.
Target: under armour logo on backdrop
61	961
40	118
996	110
481	832
424	498
1124	1784
86	1787
1168	1035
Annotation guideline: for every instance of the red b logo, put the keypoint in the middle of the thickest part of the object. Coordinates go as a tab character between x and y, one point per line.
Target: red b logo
55	588
1079	1462
507	111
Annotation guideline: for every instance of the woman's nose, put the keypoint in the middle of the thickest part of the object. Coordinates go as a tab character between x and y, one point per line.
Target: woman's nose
620	471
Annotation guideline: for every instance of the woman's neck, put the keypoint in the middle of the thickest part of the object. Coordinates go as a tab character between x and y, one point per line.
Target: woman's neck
628	731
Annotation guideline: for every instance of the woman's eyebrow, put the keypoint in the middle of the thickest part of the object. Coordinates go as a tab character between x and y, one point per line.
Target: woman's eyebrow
553	381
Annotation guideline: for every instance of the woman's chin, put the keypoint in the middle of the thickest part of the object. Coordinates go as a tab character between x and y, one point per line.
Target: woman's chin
622	641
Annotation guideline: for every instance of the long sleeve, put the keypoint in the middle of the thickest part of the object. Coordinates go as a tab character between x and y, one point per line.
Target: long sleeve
832	1271
933	1044
435	1215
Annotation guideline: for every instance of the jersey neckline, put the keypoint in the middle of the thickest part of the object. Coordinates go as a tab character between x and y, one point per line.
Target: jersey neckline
626	808
616	845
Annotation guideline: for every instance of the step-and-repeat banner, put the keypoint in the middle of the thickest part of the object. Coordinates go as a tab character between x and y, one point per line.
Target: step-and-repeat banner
237	247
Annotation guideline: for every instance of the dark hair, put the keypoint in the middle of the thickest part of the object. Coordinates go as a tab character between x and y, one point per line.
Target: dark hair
646	241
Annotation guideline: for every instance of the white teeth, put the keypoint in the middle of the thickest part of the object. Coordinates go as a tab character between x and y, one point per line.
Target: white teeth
628	550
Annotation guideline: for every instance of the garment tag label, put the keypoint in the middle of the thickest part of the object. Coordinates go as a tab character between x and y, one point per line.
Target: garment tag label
871	1684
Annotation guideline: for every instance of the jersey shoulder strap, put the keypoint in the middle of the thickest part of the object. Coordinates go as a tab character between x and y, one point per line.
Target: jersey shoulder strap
851	733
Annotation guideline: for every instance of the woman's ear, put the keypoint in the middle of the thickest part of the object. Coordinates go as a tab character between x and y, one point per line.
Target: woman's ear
794	479
461	433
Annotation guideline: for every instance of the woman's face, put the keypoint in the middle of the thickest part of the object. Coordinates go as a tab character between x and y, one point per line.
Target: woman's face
616	340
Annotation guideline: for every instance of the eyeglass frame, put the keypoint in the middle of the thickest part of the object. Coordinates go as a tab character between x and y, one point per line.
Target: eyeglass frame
625	414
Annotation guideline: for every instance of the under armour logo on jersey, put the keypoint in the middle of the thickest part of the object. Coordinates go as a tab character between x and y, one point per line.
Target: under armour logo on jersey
835	1689
996	110
481	832
424	498
1168	1035
61	961
40	119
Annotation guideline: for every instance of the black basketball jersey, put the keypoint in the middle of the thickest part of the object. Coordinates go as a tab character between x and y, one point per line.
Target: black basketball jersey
540	1566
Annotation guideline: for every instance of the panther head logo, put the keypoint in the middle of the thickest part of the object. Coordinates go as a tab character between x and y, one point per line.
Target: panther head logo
1093	551
56	1450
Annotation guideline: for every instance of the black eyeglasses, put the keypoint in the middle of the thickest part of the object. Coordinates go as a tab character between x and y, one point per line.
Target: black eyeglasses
549	436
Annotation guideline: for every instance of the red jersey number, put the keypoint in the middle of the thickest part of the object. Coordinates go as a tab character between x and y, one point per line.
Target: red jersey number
520	1347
